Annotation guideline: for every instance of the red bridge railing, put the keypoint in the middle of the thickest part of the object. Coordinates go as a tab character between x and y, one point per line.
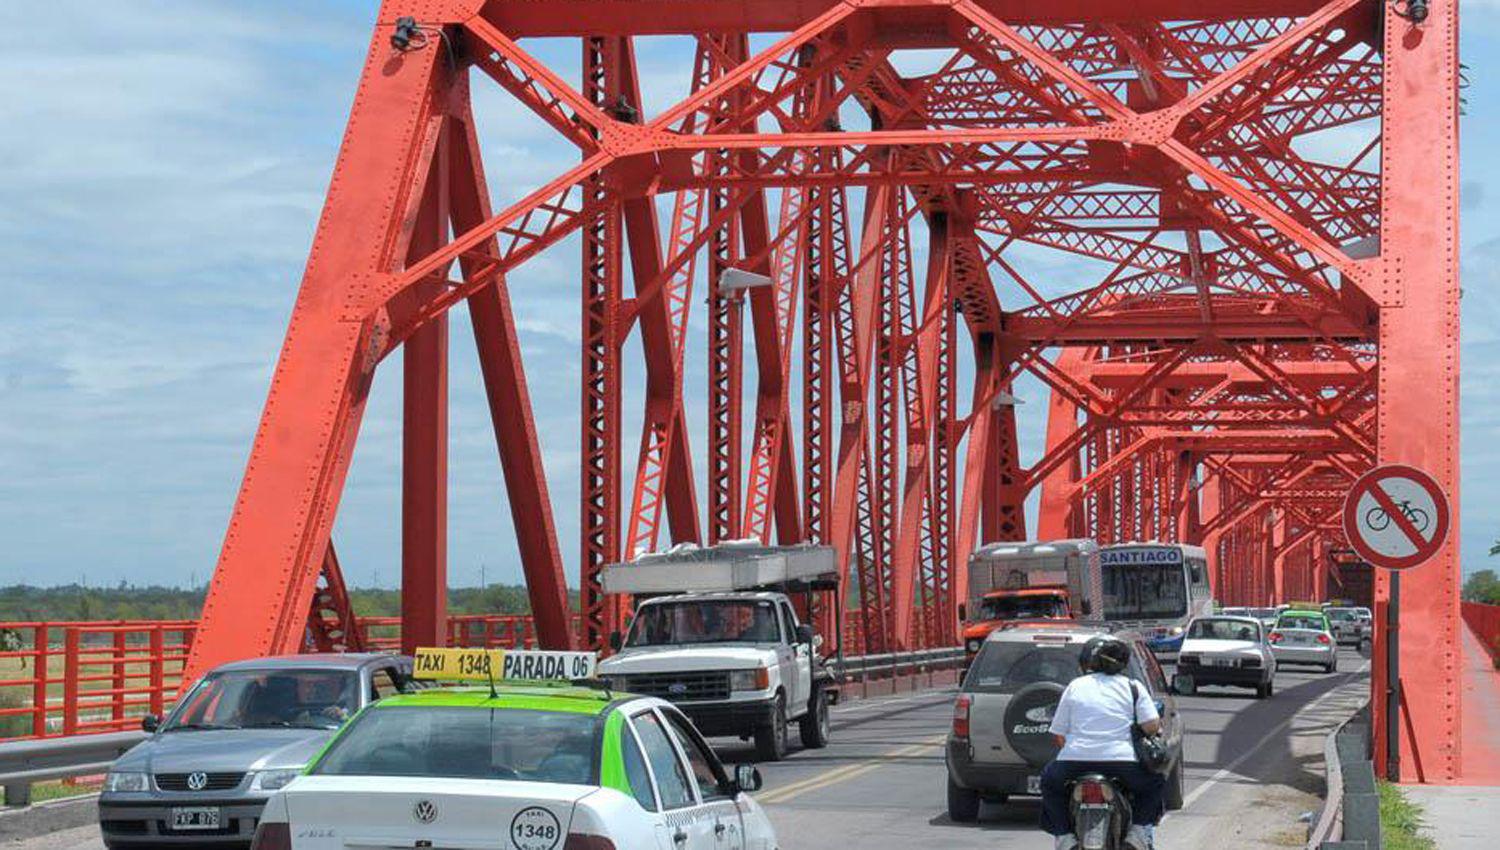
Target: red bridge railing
71	678
1484	621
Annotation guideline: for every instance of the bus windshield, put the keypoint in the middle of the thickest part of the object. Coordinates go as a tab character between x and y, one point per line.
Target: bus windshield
1145	591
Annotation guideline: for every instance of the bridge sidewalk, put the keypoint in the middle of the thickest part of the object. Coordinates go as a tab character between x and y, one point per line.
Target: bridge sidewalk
1467	816
1481	715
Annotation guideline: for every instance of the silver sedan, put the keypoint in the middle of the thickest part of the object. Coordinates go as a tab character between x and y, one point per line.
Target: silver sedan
1304	637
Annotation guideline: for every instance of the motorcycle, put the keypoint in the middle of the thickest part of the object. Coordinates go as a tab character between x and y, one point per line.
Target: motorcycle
1100	812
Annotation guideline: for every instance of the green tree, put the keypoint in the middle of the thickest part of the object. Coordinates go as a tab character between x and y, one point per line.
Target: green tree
1483	586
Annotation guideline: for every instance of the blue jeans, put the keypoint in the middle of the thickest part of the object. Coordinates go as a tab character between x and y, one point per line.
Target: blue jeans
1146	790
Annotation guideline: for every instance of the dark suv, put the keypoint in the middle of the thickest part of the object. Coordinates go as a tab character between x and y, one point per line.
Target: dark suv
1000	739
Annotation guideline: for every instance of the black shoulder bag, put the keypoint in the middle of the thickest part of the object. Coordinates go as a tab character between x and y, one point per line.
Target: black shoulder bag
1150	750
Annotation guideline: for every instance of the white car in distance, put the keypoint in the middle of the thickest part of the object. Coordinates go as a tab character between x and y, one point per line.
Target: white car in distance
1225	650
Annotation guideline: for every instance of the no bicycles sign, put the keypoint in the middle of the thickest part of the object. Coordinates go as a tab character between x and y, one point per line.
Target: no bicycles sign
1396	516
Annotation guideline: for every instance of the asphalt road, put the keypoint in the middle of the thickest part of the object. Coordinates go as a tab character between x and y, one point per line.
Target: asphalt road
1253	765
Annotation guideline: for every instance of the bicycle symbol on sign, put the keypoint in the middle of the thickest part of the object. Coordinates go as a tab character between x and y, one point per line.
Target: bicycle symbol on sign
1378	520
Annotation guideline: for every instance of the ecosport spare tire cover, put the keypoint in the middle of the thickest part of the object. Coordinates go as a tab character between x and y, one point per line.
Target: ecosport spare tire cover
1028	719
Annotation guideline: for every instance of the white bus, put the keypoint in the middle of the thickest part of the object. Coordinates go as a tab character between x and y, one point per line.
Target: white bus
1156	588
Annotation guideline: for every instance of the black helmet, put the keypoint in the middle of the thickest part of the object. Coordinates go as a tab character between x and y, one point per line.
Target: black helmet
1104	654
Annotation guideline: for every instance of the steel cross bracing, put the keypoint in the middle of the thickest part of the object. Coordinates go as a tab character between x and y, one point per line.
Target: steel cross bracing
1221	237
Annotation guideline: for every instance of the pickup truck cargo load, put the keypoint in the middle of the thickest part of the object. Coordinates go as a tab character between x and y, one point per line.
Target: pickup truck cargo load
722	568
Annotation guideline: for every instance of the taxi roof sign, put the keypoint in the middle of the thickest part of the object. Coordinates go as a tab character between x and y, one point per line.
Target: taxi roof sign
499	665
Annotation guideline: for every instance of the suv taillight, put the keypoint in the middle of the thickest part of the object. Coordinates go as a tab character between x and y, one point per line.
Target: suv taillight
272	836
961	715
579	841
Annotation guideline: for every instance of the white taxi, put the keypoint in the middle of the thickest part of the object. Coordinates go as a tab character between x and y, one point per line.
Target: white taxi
534	765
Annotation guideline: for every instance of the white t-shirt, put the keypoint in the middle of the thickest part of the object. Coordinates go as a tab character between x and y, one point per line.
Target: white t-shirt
1094	715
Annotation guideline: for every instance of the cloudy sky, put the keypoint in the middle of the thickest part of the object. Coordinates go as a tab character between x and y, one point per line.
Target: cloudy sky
165	163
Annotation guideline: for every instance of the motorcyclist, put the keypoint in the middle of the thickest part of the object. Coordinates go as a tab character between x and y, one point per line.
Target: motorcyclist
1092	726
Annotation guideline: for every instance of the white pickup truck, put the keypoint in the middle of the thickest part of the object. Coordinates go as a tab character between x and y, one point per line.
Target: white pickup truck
736	661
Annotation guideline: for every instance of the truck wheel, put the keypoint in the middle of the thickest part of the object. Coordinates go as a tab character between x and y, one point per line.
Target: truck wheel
1173	796
814	724
770	740
963	803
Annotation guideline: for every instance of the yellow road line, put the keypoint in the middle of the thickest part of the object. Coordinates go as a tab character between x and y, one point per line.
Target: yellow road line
847	772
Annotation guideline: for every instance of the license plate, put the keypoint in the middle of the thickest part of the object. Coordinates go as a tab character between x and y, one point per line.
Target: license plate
1218	662
1033	785
195	818
1299	639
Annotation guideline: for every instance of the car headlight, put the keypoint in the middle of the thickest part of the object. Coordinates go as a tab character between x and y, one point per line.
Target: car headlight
274	780
126	781
1175	631
974	645
757	679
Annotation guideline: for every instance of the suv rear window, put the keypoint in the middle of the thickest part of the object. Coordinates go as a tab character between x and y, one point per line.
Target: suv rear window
1004	667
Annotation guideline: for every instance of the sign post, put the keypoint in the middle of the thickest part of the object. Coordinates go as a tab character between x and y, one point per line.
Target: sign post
1396	517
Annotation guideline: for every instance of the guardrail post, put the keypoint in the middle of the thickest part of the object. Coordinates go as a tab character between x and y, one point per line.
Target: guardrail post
70	681
118	681
40	660
158	671
18	794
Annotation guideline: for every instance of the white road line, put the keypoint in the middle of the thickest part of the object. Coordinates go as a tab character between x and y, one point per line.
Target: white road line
1228	769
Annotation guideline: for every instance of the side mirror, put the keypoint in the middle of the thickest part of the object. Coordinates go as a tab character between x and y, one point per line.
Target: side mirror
963	611
746	778
150	723
1087	607
1183	684
817	641
615	641
804	633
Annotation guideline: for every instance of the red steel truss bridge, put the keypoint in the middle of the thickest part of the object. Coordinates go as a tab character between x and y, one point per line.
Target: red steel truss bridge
1223	236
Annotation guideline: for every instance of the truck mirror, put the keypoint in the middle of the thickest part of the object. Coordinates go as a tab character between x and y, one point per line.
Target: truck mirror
614	641
963	611
804	633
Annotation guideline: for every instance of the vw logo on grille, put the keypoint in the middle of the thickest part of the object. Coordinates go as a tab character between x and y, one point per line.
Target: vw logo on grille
197	781
424	811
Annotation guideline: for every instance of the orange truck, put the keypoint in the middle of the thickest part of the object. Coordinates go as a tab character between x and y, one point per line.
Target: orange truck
1026	582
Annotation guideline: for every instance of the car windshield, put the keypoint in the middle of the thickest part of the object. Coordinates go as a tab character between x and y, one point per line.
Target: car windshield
1021	608
1144	591
1004	667
258	699
467	743
1343	615
1363	614
1302	621
705	621
1225	629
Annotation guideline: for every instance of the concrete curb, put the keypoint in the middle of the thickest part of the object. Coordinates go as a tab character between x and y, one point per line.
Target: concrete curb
52	816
